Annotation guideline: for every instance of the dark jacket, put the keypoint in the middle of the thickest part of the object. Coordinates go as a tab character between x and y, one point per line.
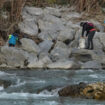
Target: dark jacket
86	28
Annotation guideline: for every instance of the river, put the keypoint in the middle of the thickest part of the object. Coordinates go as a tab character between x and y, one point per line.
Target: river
40	87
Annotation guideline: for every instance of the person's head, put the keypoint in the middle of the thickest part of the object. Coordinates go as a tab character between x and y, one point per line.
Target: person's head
15	34
82	23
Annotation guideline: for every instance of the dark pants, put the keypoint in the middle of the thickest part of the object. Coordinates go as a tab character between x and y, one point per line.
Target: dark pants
90	40
11	45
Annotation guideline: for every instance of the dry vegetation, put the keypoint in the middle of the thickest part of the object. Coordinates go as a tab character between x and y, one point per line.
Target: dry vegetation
12	9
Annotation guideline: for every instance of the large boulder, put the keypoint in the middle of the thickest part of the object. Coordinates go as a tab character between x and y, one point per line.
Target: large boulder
81	55
97	44
13	57
33	11
72	90
48	35
95	91
85	55
88	91
92	65
101	37
41	63
71	15
75	42
66	34
29	27
29	45
50	23
45	46
60	51
72	25
53	11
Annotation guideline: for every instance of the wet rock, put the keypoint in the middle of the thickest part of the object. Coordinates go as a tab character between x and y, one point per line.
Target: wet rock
5	83
72	90
48	88
88	91
95	91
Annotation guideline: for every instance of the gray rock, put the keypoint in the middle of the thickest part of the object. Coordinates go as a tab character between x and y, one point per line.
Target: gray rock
27	16
72	25
29	45
97	44
5	83
70	15
31	57
52	11
92	65
83	55
29	27
41	63
48	35
43	54
50	23
45	46
75	42
13	57
2	59
66	34
63	65
53	19
33	11
59	52
101	37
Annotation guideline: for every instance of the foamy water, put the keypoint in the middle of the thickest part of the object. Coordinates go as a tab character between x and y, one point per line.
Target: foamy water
41	87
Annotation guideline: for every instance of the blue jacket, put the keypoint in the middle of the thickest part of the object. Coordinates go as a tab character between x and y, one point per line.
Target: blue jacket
13	39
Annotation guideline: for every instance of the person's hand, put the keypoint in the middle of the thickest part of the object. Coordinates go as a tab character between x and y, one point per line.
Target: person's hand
85	37
82	37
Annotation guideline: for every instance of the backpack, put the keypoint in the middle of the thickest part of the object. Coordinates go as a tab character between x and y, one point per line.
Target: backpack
90	24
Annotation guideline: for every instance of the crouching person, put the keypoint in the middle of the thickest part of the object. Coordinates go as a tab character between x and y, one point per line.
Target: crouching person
13	38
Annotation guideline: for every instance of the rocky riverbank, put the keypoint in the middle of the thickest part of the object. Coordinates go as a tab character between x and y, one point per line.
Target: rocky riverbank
59	46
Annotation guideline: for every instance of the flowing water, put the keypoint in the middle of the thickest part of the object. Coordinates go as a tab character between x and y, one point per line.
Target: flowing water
40	87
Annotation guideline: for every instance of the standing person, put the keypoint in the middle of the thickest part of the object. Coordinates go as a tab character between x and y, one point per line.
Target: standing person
12	39
90	32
